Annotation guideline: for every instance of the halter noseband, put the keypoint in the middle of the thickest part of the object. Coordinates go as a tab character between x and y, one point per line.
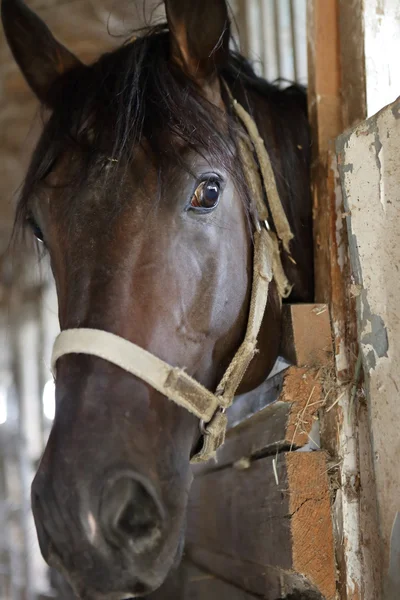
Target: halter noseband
175	383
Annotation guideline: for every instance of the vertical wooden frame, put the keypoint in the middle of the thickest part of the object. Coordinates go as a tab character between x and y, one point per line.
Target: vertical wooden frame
325	114
326	121
336	69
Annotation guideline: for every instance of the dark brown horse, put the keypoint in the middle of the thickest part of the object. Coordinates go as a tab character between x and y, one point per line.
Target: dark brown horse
137	192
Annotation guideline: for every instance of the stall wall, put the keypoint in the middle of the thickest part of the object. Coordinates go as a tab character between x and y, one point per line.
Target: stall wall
370	173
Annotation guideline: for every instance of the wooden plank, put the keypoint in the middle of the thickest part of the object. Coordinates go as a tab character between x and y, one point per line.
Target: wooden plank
330	236
242	513
261	519
263	433
284	424
302	389
311	523
353	79
247	405
265	581
192	583
337	98
307	334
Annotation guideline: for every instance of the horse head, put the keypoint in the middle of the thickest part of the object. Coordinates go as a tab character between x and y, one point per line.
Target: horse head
137	193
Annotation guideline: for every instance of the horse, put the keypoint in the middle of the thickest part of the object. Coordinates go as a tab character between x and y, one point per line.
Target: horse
137	192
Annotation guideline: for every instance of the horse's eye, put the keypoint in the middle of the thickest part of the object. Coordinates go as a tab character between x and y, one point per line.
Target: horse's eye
37	232
206	196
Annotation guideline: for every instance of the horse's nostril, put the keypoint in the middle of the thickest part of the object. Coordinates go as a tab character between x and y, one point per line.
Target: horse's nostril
130	514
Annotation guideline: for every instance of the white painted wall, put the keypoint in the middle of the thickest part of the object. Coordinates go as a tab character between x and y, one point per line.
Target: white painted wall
382	52
370	171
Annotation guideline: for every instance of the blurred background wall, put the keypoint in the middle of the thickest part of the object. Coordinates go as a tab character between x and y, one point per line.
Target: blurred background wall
273	35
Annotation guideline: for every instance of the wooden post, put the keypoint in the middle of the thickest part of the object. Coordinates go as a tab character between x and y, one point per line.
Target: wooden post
337	101
324	94
330	243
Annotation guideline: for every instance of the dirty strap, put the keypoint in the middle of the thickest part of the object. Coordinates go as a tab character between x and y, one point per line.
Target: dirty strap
173	382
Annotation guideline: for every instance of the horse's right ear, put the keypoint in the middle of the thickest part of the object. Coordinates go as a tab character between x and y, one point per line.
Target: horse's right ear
200	33
40	57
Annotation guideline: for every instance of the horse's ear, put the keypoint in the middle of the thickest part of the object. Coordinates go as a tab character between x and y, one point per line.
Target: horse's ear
40	57
200	35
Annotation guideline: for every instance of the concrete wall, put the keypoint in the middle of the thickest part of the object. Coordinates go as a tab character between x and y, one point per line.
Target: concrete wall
370	173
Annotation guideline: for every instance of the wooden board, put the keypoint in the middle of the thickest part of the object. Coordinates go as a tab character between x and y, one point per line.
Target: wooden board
265	581
247	405
311	522
240	510
330	236
285	424
270	521
260	516
352	64
336	93
262	434
191	583
307	335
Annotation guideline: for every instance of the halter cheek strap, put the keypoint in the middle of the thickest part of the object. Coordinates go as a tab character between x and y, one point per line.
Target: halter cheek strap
175	383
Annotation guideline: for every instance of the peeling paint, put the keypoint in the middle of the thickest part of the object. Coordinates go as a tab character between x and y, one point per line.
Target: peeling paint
355	258
342	143
371	193
378	337
377	145
340	246
350	498
341	354
396	110
373	333
348	168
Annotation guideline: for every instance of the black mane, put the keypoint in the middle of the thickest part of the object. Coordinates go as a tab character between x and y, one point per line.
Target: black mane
105	110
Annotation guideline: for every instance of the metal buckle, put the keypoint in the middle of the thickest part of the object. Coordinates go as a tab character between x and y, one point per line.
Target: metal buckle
266	225
258	223
203	424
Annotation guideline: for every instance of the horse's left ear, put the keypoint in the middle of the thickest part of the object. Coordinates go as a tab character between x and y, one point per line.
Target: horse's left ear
41	58
200	35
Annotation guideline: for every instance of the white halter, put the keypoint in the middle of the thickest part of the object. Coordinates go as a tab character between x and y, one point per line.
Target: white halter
175	383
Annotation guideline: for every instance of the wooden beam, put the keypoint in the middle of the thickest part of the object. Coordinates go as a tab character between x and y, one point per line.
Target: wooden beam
307	335
285	424
353	79
337	100
280	584
259	518
191	582
310	510
251	403
332	269
264	433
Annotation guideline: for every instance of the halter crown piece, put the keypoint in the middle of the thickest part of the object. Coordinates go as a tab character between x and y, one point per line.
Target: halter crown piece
175	383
